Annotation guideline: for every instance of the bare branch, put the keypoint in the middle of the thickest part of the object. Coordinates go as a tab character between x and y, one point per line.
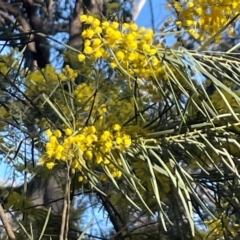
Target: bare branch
6	224
66	208
22	21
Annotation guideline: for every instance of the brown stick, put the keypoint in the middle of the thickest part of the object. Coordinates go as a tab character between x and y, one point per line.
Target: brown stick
6	224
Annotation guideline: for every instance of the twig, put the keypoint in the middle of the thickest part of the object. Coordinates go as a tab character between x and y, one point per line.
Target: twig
6	224
152	15
68	192
66	206
61	237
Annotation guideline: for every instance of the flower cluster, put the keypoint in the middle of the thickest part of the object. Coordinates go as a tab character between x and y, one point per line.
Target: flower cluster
38	81
127	46
46	79
68	74
83	92
204	18
86	148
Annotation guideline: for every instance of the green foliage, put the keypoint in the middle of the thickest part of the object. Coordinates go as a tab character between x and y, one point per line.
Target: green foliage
159	165
143	132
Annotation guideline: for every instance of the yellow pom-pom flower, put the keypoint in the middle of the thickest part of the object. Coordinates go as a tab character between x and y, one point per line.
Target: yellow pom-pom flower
81	57
68	131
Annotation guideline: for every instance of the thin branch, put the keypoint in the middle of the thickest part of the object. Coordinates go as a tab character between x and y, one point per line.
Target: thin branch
68	201
6	224
22	21
66	207
152	14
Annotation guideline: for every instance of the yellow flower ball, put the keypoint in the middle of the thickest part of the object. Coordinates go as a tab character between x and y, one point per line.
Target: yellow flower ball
96	22
116	127
50	165
88	155
89	33
108	145
98	30
68	131
106	161
191	4
99	158
89	20
199	11
118	174
83	18
113	65
81	57
146	47
90	130
87	42
97	55
49	133
119	140
88	50
57	133
126	26
106	136
80	178
127	140
96	42
133	26
131	56
115	25
141	30
120	55
105	24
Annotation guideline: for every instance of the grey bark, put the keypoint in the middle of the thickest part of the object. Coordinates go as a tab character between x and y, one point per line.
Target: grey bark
47	190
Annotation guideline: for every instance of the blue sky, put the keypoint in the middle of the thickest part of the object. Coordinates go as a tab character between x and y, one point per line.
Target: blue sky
159	13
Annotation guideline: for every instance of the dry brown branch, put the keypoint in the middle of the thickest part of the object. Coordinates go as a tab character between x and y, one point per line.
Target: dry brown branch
21	20
6	224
